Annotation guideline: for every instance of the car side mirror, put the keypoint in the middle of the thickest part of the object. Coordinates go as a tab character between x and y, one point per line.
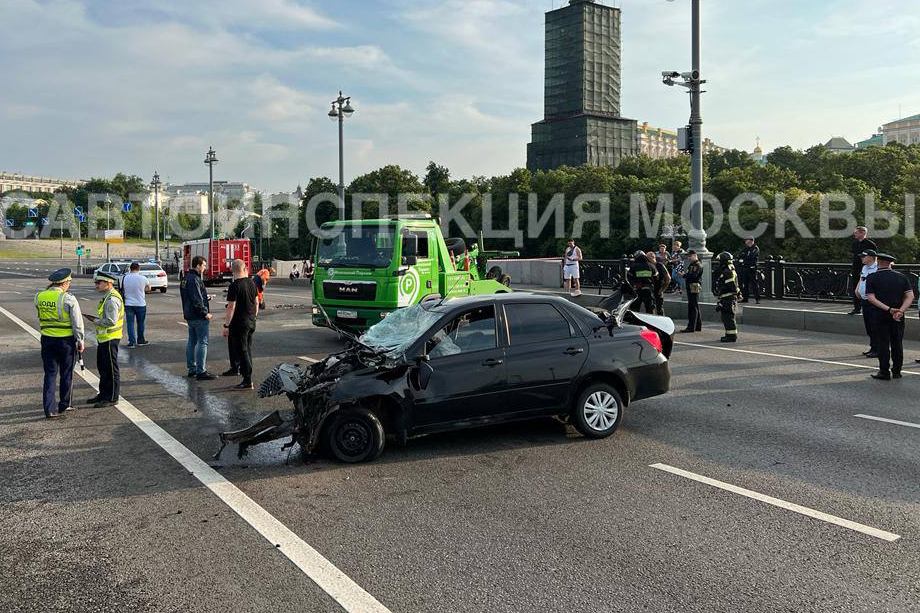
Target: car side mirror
410	260
425	370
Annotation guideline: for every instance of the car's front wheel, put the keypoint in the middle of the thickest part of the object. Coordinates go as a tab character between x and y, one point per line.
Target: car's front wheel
598	411
355	435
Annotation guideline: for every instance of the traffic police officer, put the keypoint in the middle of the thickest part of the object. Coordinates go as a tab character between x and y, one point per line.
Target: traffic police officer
747	260
642	277
109	321
727	293
61	326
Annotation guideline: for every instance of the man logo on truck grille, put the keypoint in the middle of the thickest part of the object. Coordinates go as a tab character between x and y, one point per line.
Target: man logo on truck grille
409	285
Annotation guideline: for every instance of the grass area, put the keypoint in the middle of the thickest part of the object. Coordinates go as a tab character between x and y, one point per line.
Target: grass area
14	252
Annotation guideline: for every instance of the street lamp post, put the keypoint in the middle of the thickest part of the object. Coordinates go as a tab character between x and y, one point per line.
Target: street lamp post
155	184
341	108
693	82
210	159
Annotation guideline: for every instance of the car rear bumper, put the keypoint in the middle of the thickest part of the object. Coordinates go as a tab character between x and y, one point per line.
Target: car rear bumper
651	380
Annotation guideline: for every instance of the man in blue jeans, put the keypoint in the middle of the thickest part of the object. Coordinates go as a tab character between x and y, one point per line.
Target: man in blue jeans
134	286
196	310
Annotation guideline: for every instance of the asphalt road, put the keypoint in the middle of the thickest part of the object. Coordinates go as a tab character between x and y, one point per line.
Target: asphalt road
96	516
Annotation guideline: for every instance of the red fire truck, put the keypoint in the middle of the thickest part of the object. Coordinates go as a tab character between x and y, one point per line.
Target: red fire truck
219	255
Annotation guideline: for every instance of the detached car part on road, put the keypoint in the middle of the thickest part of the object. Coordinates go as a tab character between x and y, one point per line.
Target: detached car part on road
467	362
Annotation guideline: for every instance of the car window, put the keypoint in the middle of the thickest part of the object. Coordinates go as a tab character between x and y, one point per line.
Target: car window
471	331
535	323
422	237
150	267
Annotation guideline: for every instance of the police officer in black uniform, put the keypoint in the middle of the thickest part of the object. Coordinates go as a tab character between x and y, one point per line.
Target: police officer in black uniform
890	293
642	276
693	277
747	261
727	295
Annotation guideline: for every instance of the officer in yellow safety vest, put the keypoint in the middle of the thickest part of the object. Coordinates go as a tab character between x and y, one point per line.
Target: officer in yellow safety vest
62	339
109	321
727	292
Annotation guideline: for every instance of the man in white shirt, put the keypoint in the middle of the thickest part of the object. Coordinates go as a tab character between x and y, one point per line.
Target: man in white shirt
570	268
135	286
870	266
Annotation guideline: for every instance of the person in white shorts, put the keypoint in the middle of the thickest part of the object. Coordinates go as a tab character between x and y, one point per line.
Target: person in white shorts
570	272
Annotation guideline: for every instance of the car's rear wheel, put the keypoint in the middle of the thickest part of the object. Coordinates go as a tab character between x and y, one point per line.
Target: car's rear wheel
355	435
162	290
598	411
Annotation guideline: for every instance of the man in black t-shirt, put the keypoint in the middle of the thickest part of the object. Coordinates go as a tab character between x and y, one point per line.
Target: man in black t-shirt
890	293
240	324
861	244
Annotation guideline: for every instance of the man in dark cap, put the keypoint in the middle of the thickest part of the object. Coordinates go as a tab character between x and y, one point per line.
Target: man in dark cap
890	293
109	321
61	325
870	266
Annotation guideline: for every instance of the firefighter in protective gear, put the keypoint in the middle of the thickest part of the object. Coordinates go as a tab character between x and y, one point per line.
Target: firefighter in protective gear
642	276
727	292
109	321
61	325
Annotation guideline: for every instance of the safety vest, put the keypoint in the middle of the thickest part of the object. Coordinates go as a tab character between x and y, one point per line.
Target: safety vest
52	318
104	334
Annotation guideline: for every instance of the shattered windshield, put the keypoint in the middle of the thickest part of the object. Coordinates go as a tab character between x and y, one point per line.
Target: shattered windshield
400	329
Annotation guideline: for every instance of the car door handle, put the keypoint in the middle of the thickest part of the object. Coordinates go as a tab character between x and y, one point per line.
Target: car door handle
492	362
574	350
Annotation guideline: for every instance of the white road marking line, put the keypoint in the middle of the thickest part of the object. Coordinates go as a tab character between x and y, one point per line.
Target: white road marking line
304	325
182	323
889	421
10	291
776	502
306	359
351	596
10	272
789	357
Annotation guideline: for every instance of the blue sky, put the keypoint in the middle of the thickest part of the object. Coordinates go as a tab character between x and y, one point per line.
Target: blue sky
93	87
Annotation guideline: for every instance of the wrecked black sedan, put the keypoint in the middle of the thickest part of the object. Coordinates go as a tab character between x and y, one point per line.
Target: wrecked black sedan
468	362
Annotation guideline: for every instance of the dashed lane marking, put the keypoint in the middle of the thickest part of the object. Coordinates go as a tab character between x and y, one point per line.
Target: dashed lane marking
306	359
776	502
788	357
351	596
889	421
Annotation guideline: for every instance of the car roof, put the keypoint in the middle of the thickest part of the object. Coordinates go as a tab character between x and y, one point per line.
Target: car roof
511	297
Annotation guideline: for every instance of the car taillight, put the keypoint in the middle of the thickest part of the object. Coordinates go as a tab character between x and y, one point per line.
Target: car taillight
161	274
652	339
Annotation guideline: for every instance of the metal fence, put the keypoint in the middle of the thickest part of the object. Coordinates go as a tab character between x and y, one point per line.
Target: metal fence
778	279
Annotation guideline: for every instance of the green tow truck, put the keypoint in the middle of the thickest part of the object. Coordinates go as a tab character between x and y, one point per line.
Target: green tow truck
367	268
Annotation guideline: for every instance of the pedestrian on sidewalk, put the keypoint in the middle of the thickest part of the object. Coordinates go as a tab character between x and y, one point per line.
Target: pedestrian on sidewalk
889	291
61	324
240	324
571	268
678	263
870	266
196	309
862	243
135	286
294	274
747	260
661	283
109	321
693	278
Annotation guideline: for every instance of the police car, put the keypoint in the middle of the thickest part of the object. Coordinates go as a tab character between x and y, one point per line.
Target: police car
152	271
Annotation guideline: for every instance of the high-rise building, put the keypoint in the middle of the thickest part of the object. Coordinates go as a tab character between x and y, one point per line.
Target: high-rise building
581	109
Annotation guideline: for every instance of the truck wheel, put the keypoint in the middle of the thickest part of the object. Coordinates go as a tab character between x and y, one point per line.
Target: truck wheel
355	435
597	411
505	280
494	273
